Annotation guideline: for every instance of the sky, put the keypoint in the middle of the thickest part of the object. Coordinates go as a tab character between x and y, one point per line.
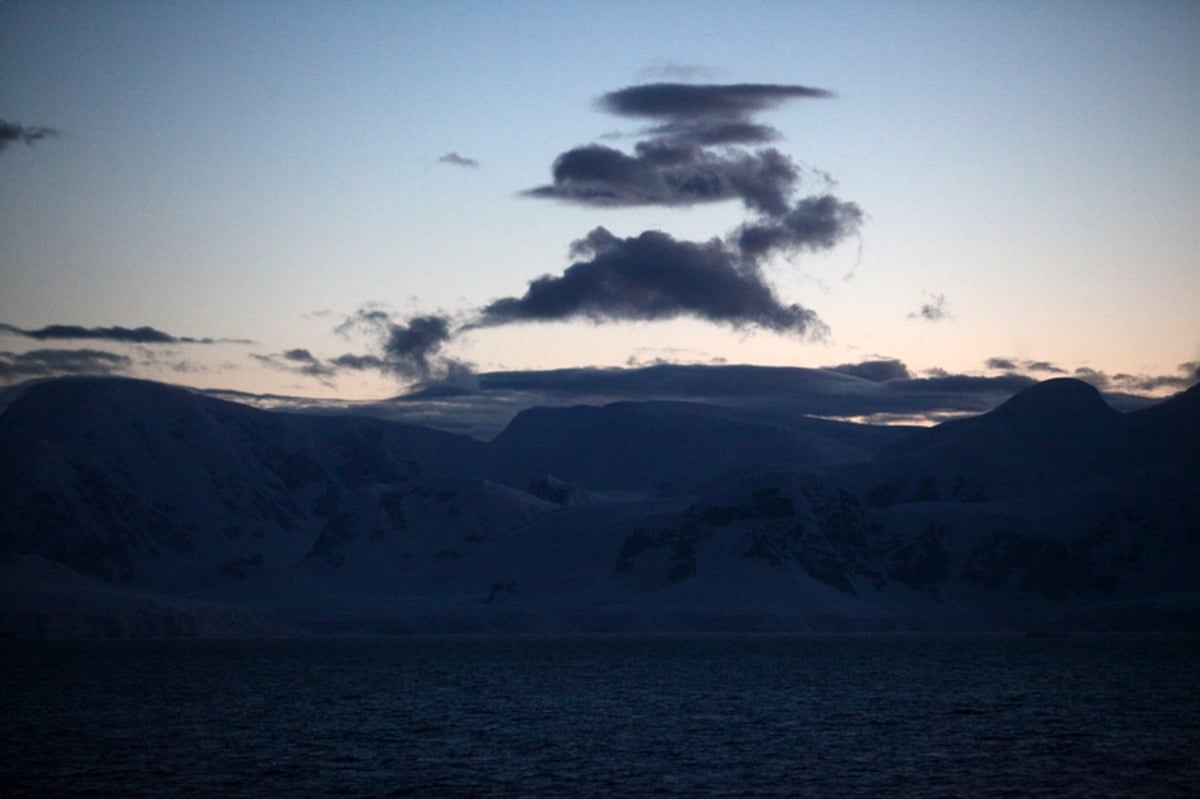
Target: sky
361	200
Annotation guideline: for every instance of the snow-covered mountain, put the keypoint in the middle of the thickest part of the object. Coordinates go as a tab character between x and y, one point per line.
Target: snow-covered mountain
1051	510
673	446
132	508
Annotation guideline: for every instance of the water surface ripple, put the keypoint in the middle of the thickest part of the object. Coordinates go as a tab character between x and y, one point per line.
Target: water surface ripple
721	715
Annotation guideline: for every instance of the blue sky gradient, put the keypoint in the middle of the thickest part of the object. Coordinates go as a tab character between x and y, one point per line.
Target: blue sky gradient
259	173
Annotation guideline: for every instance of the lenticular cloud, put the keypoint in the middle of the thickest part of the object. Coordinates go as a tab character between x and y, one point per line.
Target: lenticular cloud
702	143
652	277
695	152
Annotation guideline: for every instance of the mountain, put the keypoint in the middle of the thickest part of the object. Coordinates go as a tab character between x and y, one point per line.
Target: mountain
138	482
135	508
673	445
1053	509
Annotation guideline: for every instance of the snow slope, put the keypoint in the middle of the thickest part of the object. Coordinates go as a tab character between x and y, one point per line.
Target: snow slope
135	508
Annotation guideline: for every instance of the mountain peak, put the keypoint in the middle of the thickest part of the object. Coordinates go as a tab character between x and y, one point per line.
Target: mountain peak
1061	402
1062	418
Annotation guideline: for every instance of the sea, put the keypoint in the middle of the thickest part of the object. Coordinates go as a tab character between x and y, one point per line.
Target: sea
871	715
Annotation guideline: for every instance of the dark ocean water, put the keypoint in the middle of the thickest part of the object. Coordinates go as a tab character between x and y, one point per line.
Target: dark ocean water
869	716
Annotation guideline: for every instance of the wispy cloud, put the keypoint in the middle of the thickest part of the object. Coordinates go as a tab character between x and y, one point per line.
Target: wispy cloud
298	361
15	132
663	69
126	335
1044	367
454	159
1186	375
15	367
410	349
933	311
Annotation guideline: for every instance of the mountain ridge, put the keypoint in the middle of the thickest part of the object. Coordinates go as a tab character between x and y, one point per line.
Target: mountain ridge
166	507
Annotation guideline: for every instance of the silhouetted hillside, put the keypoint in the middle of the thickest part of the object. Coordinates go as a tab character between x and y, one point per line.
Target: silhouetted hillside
132	508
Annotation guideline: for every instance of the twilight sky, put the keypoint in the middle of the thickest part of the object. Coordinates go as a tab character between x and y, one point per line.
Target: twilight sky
357	199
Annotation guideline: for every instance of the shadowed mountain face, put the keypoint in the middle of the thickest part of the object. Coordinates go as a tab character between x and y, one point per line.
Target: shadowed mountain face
133	508
673	445
1049	437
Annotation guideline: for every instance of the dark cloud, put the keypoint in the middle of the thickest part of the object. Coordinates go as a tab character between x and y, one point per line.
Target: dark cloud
690	100
306	363
139	335
136	335
411	349
359	362
881	391
815	223
708	132
689	157
668	172
1094	376
875	371
13	132
487	404
52	363
833	391
933	311
1025	366
1044	367
861	392
455	159
654	276
300	355
691	154
651	277
1123	389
